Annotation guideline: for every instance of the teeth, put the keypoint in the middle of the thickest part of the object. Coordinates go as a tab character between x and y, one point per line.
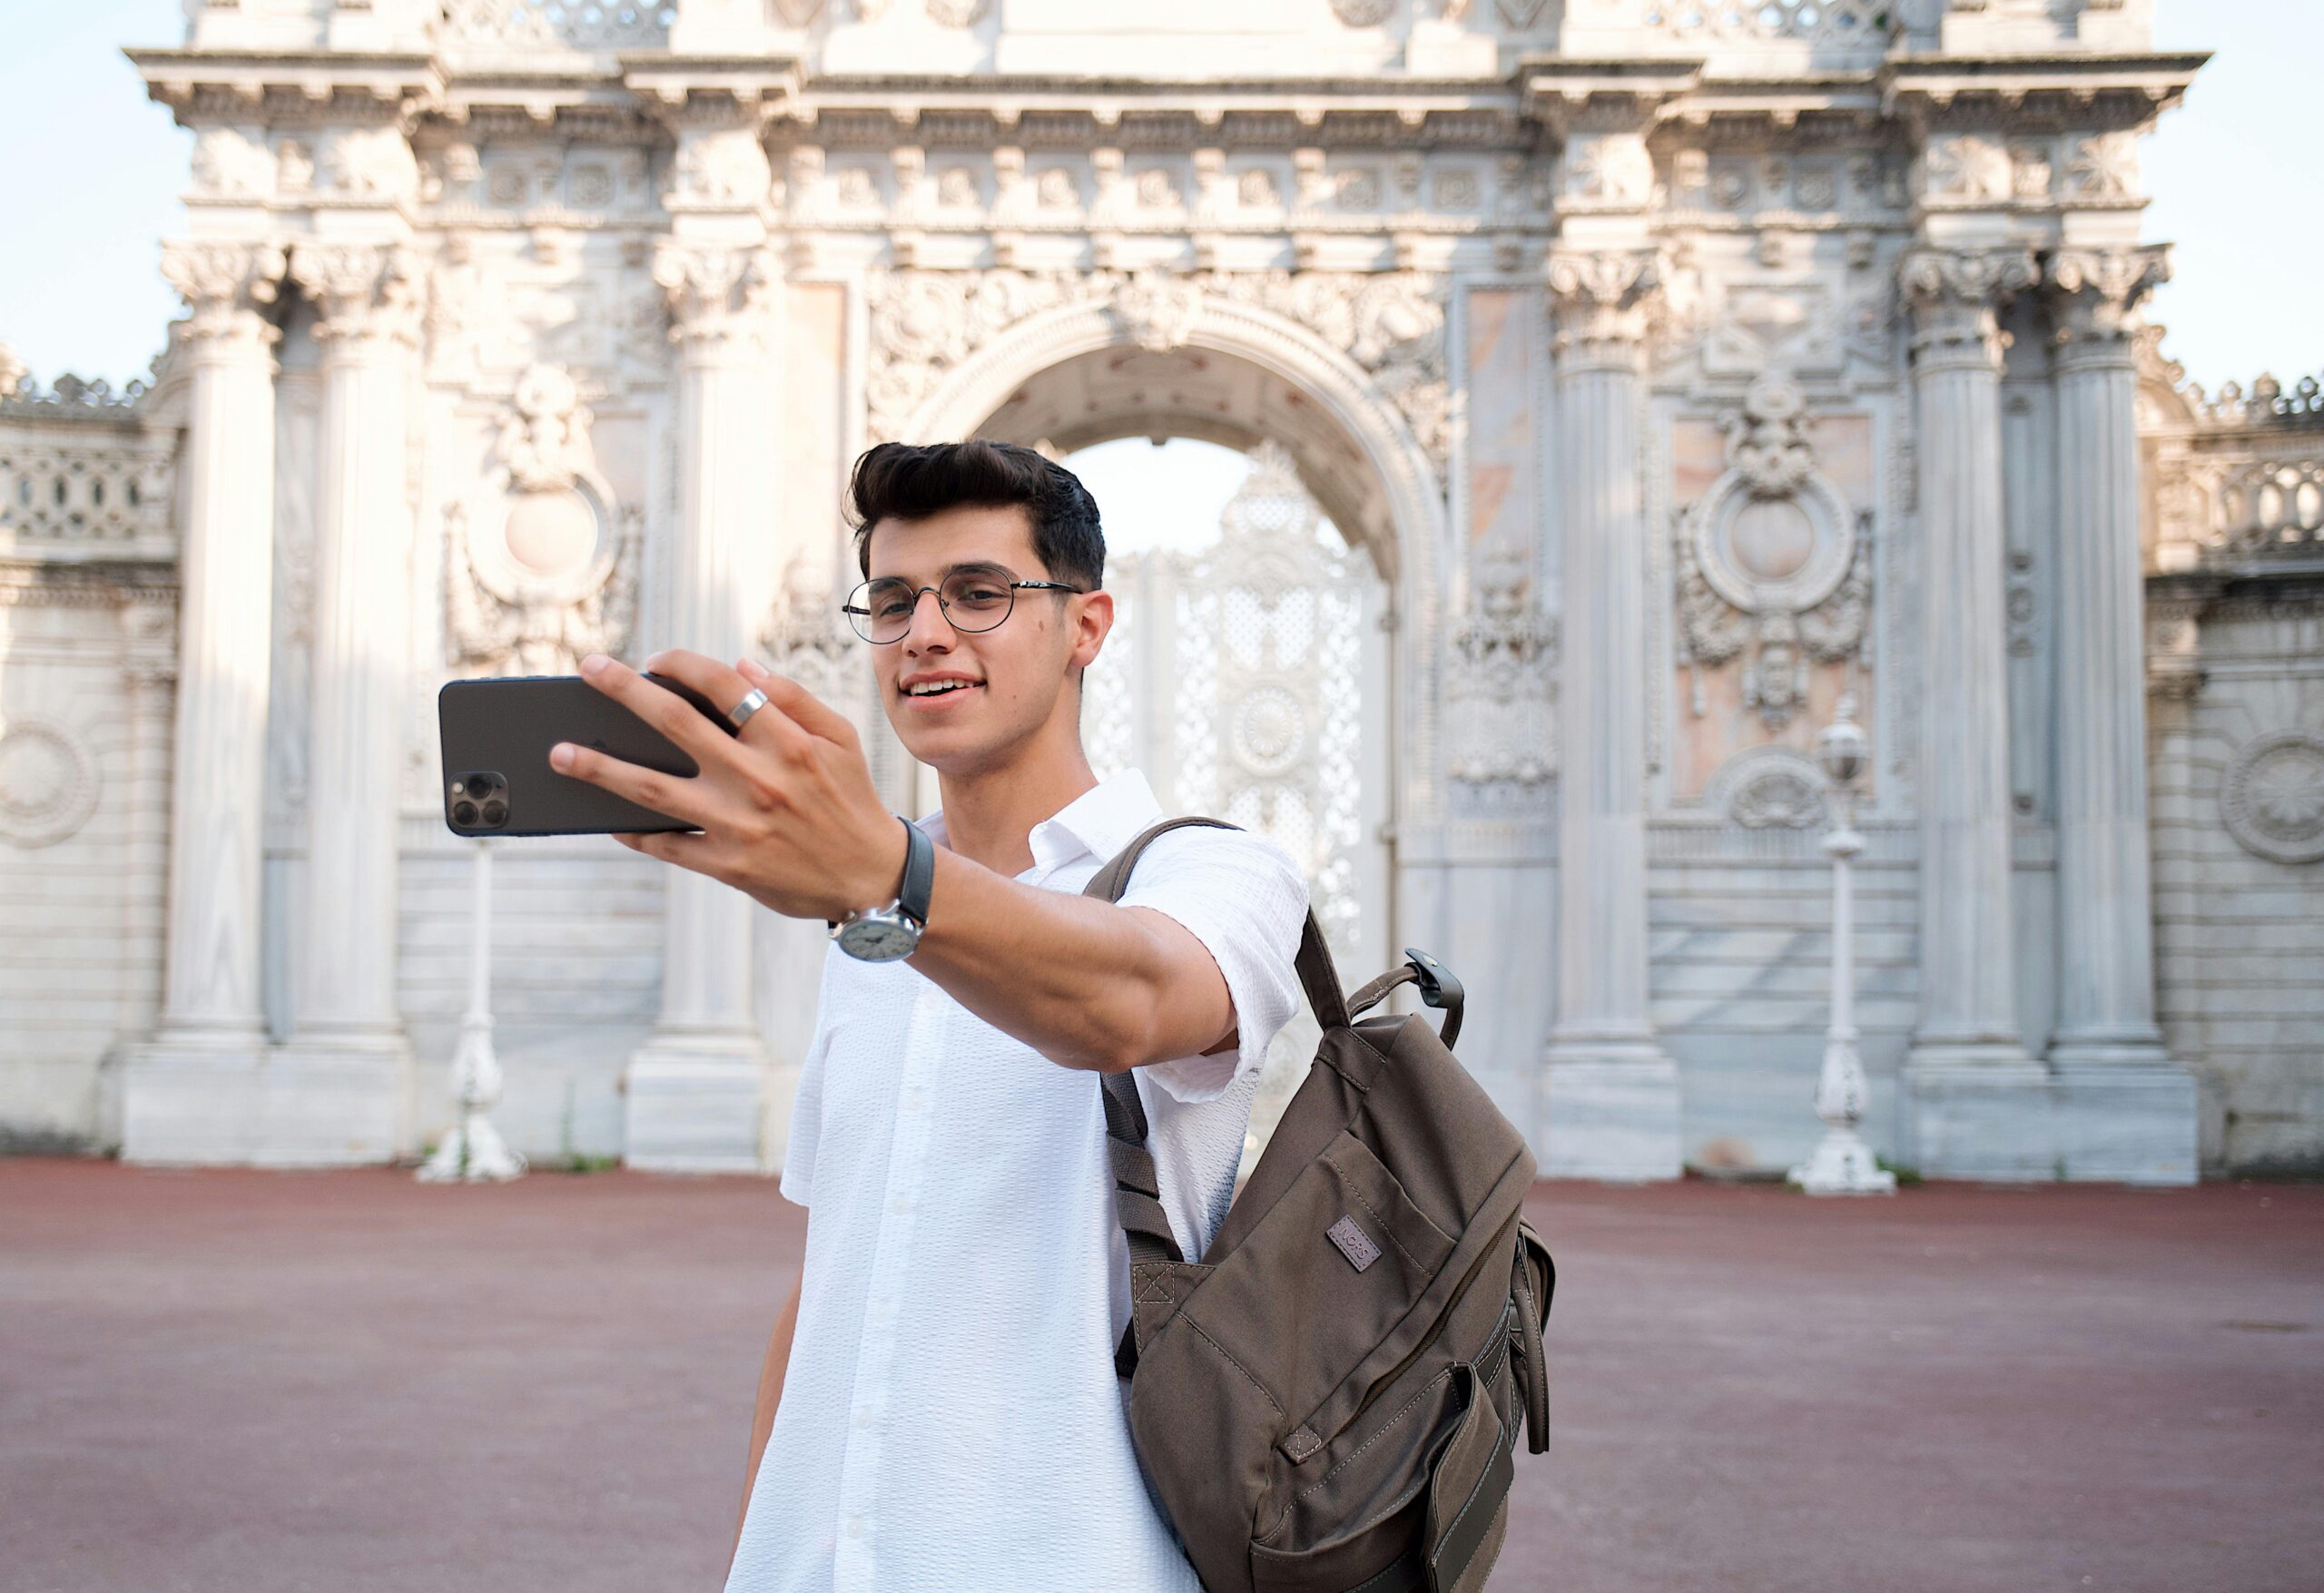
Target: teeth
931	691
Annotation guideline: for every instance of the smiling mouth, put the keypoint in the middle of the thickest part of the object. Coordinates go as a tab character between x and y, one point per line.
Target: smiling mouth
941	689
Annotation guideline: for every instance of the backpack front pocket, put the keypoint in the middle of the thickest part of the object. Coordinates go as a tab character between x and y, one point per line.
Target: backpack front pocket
1325	1278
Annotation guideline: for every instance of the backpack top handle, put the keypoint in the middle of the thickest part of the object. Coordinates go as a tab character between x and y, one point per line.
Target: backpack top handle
1317	976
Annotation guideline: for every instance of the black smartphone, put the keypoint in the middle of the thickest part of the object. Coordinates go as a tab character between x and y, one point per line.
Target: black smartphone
495	733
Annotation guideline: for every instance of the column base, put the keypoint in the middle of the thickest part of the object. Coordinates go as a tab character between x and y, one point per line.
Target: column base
2123	1116
1977	1111
235	1101
698	1104
1608	1110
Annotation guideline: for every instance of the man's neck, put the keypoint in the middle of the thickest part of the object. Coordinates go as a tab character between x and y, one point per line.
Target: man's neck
990	814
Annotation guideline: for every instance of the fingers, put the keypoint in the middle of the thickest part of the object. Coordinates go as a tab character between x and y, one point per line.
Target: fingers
671	794
810	712
725	687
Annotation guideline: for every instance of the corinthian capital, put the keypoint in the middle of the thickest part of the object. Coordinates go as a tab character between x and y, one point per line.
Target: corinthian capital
1603	301
363	290
718	295
2094	293
1956	296
226	286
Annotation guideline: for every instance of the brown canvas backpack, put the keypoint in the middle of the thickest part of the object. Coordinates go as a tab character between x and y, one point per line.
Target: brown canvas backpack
1329	1398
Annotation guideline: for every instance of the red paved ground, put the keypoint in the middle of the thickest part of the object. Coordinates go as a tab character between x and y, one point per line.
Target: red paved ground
262	1381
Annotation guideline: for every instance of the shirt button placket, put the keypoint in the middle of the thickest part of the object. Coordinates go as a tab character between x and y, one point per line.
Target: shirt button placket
854	1561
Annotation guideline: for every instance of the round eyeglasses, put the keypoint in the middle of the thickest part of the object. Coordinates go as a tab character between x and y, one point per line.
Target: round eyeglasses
971	600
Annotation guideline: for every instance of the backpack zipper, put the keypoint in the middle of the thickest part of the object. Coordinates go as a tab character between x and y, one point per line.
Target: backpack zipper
1498	1243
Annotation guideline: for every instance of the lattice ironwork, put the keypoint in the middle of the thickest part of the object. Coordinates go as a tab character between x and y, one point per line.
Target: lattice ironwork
1234	677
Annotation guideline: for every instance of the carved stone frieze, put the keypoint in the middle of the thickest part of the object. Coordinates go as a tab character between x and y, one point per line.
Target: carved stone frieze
1391	324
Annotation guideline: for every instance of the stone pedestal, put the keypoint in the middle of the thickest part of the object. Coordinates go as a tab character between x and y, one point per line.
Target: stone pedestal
2125	1109
1974	1104
696	1091
348	1062
1609	1095
193	1092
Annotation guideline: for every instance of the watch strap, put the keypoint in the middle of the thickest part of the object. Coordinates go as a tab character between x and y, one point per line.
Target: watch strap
920	873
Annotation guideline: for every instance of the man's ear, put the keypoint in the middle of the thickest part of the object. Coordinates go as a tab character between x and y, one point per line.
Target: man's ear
1091	626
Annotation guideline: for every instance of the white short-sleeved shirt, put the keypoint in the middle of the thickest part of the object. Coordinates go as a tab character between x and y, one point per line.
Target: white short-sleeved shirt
951	1418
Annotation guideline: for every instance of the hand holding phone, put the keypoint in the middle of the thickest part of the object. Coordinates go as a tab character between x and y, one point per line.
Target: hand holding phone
496	734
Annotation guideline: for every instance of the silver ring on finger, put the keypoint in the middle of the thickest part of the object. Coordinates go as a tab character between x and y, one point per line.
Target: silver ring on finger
740	711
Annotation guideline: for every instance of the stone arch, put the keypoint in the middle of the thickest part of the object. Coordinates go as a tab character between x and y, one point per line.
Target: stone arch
1401	517
1393	504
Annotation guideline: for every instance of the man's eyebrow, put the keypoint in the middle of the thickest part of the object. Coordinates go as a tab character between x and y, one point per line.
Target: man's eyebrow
980	567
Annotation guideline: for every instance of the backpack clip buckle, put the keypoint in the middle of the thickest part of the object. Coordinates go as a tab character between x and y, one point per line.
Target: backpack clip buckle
1438	988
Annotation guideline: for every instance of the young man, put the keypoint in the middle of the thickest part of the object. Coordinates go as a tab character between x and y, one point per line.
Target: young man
939	1408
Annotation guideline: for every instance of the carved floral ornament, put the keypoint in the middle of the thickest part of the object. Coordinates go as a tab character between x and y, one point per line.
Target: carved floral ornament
718	295
1501	686
362	290
553	575
227	286
2096	292
1775	565
2271	797
1606	303
48	781
925	324
1955	297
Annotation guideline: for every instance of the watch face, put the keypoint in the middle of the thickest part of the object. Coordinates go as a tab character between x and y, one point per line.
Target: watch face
878	940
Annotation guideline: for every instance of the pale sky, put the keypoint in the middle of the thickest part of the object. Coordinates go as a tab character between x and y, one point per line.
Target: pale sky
92	172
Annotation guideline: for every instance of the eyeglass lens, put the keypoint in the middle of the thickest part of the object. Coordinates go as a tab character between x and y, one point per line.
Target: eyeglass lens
972	600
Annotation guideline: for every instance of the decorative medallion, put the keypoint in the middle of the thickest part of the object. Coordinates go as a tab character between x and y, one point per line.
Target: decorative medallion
48	782
1269	732
2273	798
1776	568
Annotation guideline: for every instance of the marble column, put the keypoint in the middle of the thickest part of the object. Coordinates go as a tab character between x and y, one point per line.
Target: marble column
1976	1104
347	1064
1610	1096
2125	1109
696	1091
187	1094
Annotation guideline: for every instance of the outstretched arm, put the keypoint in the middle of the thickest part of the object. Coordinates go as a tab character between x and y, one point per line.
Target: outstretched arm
790	816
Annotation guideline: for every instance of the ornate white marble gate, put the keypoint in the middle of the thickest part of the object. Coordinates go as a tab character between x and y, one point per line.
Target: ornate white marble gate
1516	285
1250	679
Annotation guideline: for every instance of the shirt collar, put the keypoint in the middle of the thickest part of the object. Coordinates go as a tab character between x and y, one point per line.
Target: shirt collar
1099	822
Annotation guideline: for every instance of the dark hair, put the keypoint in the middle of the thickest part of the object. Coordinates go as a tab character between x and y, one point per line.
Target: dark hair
903	481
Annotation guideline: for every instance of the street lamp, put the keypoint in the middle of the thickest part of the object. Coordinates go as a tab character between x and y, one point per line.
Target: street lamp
1842	1162
474	1151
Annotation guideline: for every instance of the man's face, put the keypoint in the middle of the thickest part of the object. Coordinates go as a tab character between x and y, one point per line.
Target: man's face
1017	674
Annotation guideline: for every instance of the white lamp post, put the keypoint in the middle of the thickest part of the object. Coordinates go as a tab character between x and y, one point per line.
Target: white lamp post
474	1151
1842	1162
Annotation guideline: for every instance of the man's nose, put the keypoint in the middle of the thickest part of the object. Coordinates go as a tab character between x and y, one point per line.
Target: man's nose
928	627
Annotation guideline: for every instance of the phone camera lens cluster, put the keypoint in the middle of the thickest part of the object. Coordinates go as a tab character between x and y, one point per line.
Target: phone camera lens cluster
479	800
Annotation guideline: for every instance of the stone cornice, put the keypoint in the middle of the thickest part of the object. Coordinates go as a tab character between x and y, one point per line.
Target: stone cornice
290	89
2007	93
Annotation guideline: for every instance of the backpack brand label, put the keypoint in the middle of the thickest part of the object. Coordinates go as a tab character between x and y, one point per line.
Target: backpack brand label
1354	1243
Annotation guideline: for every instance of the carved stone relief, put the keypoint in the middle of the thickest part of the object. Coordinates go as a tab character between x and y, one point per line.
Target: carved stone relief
1775	568
48	781
542	567
926	323
2271	797
1769	788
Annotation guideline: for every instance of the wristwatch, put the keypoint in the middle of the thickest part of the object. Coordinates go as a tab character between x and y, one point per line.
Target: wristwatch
882	934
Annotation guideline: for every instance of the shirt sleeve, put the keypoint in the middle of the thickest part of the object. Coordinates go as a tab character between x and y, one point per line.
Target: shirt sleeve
807	1104
1246	900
